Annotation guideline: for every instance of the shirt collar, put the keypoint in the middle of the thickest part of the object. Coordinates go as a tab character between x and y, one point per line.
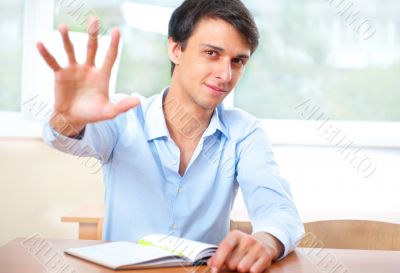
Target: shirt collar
156	126
216	123
155	119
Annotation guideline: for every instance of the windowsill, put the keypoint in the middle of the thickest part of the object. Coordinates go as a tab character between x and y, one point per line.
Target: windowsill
280	132
315	133
17	125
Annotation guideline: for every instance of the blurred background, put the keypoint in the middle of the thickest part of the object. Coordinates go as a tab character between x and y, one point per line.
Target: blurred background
324	82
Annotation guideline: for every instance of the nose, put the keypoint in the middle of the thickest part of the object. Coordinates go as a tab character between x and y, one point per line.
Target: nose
224	73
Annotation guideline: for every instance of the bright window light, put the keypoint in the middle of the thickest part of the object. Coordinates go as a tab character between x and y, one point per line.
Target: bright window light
150	18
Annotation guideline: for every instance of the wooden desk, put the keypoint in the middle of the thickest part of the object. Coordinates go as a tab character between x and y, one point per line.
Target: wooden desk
90	219
22	255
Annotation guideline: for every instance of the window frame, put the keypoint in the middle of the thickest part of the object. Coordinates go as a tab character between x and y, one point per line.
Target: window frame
38	23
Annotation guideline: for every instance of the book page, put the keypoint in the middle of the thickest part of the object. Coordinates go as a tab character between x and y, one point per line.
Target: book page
117	254
178	246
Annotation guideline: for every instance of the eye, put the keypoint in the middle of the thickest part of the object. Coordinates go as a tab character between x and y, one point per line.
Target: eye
211	53
238	61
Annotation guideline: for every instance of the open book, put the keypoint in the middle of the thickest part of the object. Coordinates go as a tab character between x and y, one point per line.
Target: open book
155	250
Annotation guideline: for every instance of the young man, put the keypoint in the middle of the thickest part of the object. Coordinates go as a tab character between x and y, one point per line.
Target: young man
173	163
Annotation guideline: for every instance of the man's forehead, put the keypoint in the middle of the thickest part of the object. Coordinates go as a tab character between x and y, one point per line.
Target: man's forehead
220	34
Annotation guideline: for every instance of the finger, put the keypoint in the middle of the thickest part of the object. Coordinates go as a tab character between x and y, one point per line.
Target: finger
112	110
50	60
68	46
210	261
112	52
249	259
239	252
225	249
260	265
93	30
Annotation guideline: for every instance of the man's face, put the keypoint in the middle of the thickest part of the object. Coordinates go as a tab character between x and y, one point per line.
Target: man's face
211	64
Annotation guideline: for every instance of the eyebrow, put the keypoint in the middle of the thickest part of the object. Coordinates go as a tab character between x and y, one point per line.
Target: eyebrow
220	49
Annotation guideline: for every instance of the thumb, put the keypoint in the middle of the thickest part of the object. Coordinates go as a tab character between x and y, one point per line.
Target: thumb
112	110
126	104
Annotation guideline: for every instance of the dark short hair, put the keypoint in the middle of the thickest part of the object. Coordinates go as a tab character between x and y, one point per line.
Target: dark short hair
185	18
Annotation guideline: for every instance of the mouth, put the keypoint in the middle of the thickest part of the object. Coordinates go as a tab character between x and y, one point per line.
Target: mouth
215	90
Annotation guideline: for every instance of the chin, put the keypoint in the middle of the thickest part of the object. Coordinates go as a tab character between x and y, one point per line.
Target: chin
208	103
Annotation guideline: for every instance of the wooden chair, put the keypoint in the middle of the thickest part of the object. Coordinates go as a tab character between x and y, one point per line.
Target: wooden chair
352	234
345	234
246	227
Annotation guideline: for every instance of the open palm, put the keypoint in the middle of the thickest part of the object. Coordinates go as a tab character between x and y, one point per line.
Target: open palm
82	90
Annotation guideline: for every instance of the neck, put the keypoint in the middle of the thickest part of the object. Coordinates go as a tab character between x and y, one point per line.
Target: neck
185	119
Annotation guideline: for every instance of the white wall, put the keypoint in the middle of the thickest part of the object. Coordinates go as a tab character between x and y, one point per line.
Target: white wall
39	185
325	185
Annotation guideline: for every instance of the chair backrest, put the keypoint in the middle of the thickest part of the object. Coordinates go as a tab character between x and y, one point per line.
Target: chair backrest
352	234
246	227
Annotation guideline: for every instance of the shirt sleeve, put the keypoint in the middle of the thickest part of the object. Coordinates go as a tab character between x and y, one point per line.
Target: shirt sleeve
97	140
266	194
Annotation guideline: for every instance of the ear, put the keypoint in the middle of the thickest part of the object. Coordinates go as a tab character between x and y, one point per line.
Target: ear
174	51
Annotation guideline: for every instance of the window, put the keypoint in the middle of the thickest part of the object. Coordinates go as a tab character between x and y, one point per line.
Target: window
397	32
11	20
144	65
309	50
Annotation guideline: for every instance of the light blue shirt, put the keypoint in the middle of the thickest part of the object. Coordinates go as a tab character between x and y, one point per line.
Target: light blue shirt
145	194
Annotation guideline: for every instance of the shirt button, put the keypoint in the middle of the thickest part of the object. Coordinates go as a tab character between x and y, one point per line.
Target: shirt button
174	162
175	226
180	189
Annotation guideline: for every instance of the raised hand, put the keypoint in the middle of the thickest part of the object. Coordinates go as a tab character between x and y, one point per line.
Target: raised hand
81	90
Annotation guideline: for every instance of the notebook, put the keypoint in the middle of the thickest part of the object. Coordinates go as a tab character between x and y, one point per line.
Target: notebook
151	251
